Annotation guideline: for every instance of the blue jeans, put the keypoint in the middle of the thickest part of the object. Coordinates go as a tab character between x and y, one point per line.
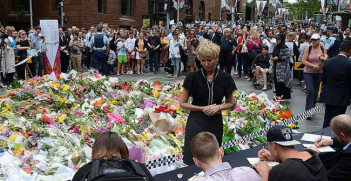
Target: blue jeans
153	60
243	59
175	62
235	58
111	66
100	57
312	81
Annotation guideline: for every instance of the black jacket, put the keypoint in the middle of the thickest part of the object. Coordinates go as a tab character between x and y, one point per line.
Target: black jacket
63	42
340	169
214	37
337	77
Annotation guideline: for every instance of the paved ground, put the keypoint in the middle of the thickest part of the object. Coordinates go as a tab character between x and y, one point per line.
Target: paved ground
297	103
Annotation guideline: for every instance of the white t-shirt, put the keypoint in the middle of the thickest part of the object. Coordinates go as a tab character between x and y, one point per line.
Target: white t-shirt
130	45
122	51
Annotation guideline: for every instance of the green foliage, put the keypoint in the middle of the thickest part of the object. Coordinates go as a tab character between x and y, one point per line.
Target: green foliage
298	10
18	7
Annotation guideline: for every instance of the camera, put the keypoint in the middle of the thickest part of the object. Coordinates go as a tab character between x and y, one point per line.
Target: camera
3	37
75	50
3	34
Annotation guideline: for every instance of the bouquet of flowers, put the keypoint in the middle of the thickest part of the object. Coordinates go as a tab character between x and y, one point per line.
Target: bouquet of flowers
321	59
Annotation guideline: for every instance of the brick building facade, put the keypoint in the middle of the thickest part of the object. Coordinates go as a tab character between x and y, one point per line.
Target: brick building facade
80	13
117	13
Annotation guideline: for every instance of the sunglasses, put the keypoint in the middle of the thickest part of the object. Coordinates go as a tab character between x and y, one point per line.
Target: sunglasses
23	34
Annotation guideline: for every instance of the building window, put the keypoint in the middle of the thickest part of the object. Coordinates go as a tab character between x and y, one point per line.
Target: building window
126	7
101	6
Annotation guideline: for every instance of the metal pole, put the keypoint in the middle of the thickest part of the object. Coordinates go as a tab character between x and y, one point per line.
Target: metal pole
338	21
178	4
167	22
31	12
62	14
232	12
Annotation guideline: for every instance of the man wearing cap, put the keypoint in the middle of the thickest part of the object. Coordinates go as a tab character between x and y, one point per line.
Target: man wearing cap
338	163
333	42
323	34
101	47
294	165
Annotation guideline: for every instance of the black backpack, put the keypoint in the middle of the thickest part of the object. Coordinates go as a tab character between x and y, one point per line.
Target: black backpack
115	169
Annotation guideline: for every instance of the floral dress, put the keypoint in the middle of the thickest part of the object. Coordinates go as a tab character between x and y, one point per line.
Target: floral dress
163	50
191	53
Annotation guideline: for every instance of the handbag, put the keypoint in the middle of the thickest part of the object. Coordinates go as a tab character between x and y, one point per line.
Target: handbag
244	49
253	54
169	67
32	52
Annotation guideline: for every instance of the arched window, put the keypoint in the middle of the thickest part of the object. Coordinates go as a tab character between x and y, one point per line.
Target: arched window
201	11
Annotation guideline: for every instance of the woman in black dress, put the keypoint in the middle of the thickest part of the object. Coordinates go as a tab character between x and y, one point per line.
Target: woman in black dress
207	86
282	72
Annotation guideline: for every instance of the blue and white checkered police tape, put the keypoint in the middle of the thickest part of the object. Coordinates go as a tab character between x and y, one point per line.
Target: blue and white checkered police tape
177	157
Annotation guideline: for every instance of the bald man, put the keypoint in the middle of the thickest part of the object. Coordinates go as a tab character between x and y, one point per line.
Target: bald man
339	168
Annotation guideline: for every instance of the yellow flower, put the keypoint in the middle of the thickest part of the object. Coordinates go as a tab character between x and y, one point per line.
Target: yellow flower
113	102
13	137
61	119
156	94
179	109
4	144
177	150
54	84
66	88
45	76
235	94
225	113
5	110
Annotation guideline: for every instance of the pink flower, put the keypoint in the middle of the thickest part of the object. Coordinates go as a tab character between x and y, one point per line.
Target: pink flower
115	118
237	108
80	114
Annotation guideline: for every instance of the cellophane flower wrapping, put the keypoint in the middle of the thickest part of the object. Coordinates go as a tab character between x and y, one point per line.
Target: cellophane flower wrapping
48	125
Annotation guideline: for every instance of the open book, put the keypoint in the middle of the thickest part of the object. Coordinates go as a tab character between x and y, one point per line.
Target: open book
257	160
321	149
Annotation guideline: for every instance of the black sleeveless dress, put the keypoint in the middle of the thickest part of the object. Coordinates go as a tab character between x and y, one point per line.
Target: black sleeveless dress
205	93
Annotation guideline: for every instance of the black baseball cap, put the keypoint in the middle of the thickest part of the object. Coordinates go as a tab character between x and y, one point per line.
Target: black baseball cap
281	135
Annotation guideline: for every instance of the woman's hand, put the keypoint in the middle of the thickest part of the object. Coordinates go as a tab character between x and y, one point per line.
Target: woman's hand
274	58
211	110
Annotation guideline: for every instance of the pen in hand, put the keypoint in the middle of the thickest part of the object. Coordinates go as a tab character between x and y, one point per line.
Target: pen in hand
321	136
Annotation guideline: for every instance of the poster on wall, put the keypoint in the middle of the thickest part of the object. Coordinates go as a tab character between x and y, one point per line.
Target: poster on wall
52	63
146	21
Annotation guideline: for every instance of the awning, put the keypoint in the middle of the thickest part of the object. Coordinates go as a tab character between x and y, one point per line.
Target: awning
341	13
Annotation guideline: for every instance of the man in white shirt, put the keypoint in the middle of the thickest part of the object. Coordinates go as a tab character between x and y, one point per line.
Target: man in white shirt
272	41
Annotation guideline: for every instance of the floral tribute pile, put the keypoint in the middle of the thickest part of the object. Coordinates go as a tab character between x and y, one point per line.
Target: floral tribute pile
47	126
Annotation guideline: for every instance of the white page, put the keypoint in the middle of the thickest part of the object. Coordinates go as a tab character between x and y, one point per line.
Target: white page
313	137
257	160
321	149
199	174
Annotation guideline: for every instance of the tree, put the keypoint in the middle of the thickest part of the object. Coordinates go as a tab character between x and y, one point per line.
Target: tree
299	9
18	8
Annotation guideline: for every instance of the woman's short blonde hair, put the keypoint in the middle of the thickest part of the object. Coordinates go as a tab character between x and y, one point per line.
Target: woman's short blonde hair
291	34
207	49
